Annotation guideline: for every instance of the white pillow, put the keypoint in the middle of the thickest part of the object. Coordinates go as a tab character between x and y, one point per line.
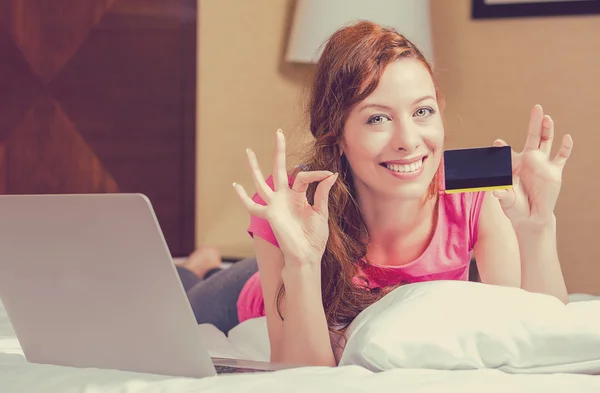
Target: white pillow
249	340
453	325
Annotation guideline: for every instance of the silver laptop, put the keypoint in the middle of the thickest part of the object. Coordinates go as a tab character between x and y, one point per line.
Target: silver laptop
88	281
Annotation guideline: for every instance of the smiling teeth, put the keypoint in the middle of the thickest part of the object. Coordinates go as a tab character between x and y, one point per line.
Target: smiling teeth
415	166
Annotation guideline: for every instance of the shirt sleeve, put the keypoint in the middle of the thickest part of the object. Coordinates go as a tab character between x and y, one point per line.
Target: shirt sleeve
475	210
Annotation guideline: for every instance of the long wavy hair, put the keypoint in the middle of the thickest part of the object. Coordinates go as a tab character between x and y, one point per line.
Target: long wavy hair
348	71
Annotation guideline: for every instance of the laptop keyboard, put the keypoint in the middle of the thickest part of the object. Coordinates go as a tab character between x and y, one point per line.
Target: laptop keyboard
236	370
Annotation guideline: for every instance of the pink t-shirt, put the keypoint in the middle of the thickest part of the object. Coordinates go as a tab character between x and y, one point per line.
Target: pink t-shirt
446	258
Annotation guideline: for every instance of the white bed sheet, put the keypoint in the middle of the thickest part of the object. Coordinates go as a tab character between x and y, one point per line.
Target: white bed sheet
249	341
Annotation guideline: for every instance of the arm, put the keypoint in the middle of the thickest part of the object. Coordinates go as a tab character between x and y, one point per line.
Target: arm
530	203
301	232
541	267
525	257
302	337
497	248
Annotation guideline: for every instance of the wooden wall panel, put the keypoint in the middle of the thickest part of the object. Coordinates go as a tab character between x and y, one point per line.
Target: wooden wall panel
99	96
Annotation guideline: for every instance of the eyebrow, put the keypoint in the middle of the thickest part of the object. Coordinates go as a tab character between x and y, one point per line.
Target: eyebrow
385	107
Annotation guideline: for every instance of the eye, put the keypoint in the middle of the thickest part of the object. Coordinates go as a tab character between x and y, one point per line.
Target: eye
423	112
378	119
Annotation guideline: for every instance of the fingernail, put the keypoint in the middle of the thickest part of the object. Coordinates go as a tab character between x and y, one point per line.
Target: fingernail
248	150
279	131
234	184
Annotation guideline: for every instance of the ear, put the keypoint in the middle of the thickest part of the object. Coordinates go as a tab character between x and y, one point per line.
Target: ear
341	146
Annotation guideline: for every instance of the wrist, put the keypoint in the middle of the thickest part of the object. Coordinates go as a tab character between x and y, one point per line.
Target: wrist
299	271
301	268
536	229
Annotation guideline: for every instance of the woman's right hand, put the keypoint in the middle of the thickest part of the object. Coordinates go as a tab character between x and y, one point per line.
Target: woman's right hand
300	229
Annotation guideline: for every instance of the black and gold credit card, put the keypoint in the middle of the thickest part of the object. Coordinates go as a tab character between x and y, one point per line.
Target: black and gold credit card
478	169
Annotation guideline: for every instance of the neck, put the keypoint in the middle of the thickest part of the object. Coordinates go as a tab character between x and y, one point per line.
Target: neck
393	217
397	226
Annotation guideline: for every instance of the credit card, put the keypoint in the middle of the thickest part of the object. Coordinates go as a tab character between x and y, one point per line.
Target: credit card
478	169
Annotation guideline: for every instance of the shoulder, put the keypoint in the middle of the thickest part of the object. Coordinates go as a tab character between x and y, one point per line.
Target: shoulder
462	211
259	226
463	204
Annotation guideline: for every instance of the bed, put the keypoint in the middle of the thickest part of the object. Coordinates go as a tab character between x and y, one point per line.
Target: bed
249	341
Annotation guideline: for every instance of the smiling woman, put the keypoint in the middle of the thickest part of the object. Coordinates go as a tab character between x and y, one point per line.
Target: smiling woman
367	211
338	244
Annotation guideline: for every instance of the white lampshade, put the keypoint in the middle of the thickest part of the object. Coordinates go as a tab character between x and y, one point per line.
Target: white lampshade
315	20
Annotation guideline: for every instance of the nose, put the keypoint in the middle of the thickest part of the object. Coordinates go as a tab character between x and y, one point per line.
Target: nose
406	136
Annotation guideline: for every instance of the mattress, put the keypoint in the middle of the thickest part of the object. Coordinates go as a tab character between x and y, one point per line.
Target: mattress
249	341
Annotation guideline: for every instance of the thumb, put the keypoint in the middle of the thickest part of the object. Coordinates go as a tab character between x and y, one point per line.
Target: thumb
507	198
500	143
515	157
304	179
321	203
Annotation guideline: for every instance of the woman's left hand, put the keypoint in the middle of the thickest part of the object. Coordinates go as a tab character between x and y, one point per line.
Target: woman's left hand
537	179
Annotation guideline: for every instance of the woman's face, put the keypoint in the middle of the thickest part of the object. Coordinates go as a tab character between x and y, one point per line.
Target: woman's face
393	140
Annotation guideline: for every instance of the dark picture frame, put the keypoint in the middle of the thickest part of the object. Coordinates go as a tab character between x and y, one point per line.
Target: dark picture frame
486	9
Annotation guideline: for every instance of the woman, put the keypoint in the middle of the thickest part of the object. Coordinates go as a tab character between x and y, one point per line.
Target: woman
367	211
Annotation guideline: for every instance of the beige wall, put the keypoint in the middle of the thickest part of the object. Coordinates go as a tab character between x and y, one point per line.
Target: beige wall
491	72
245	92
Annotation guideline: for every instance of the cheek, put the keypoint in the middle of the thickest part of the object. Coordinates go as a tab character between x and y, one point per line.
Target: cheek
435	143
362	157
435	138
363	146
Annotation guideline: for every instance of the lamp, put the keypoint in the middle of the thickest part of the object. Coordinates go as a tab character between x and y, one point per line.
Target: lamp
315	20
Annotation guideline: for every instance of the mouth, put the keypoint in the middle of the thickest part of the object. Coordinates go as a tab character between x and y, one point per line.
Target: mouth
412	167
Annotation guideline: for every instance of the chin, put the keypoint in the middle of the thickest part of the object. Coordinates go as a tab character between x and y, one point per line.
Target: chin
408	192
408	189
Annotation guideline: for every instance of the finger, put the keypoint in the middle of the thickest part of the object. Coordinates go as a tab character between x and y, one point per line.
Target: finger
516	157
507	198
534	132
252	207
280	178
321	204
500	143
260	184
547	135
564	152
303	179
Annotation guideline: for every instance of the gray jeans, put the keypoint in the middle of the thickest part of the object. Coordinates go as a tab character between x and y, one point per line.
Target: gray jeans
214	298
